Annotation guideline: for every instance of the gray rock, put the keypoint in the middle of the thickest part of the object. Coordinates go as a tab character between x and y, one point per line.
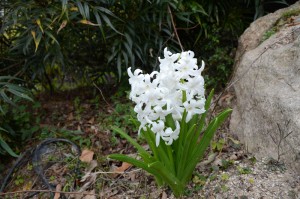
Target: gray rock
266	117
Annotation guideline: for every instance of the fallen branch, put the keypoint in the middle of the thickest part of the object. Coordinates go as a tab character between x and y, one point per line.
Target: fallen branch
47	191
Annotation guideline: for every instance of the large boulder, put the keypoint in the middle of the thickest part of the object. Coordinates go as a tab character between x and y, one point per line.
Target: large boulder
266	117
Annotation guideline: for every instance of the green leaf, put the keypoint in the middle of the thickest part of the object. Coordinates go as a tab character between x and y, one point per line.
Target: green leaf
131	141
51	36
107	21
5	146
175	184
64	4
201	123
19	94
87	10
81	9
8	78
199	150
6	98
134	162
119	60
2	129
36	38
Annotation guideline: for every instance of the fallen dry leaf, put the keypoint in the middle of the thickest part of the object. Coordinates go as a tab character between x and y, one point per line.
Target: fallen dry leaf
90	196
93	164
70	117
87	156
92	120
132	176
121	169
58	188
164	195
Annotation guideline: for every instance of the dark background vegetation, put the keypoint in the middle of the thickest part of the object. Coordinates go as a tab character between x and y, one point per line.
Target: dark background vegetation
53	46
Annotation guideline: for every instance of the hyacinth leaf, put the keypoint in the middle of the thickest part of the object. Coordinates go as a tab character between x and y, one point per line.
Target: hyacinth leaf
134	162
184	153
129	139
175	184
170	121
142	152
204	143
201	123
159	152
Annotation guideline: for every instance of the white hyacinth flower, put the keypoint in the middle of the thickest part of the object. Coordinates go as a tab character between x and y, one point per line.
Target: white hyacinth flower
160	94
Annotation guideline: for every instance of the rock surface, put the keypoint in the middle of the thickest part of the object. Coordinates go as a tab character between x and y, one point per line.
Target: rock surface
266	117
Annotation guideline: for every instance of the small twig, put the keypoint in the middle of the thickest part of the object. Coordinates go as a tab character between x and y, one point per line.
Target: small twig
46	191
116	172
11	66
101	94
174	27
190	28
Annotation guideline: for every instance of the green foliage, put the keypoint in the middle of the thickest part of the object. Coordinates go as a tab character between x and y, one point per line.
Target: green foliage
19	181
121	112
7	88
14	121
244	170
78	107
260	6
89	38
75	136
20	124
218	145
224	176
63	41
5	146
290	13
268	34
226	164
53	42
217	51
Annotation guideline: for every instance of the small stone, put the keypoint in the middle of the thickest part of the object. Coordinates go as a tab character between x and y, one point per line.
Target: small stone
233	157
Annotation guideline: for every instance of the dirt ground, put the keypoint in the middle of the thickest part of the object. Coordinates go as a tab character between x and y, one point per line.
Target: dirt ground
228	171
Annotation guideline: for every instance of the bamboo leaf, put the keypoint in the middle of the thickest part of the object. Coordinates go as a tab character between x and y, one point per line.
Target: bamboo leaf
119	60
6	147
38	21
6	98
125	56
84	21
62	25
36	39
51	36
20	94
87	10
108	22
81	9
